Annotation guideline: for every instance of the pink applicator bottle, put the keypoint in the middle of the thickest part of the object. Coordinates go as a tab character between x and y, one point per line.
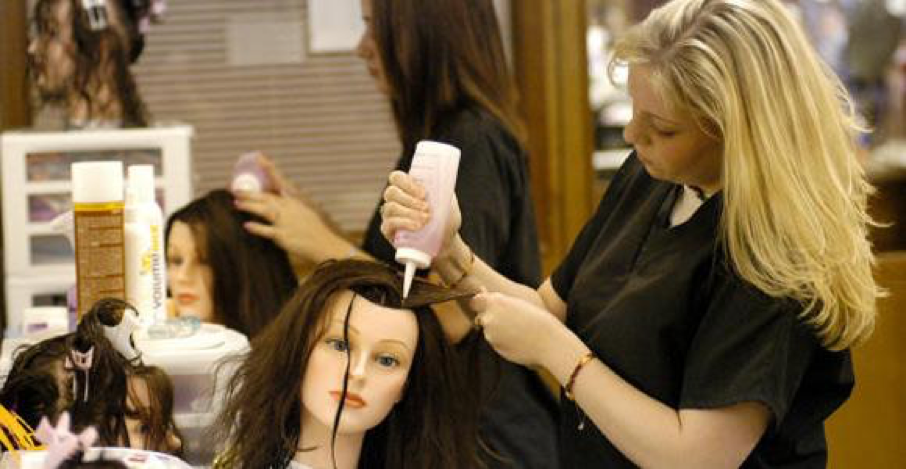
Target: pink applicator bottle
249	176
434	166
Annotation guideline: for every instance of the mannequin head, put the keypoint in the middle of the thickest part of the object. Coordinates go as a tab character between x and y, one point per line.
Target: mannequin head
149	410
348	354
106	390
220	272
86	70
378	344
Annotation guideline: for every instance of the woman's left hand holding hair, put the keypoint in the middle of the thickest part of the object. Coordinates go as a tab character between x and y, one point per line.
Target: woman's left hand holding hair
518	330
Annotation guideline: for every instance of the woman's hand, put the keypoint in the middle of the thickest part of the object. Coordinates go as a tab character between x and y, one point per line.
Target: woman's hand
405	208
519	331
293	224
282	185
292	221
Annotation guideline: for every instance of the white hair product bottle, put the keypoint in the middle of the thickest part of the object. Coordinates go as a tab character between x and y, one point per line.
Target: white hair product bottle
435	166
146	277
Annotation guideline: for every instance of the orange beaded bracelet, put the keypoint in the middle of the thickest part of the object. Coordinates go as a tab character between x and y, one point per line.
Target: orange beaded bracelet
568	389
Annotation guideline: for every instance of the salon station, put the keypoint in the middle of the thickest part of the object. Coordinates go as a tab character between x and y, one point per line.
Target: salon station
340	234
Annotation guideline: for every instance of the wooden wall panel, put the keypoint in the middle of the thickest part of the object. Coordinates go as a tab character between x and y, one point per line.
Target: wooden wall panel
870	429
551	70
14	106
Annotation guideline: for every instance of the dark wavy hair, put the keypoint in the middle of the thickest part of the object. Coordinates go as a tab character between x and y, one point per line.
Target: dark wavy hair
440	57
433	426
98	397
98	54
252	276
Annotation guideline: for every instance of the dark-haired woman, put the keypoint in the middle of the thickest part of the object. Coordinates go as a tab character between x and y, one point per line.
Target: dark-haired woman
442	66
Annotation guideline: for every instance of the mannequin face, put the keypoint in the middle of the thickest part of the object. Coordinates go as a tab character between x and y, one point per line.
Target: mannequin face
381	343
51	52
138	419
189	276
367	50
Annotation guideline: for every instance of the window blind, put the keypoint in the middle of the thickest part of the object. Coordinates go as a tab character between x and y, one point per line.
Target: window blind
239	72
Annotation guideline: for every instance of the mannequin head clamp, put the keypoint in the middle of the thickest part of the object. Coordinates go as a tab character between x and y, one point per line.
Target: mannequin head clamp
97	14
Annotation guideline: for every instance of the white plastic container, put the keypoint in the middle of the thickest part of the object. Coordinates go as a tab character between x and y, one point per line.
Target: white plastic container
97	198
45	321
435	166
192	362
193	365
249	176
131	458
146	282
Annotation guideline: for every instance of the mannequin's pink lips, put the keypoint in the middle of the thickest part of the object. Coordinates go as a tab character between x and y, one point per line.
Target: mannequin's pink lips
352	400
186	298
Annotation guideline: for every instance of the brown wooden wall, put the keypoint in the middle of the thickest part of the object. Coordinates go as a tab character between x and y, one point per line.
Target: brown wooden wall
14	109
869	431
551	70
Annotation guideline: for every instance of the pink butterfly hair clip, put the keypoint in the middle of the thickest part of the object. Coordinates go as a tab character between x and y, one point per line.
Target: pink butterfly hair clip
60	442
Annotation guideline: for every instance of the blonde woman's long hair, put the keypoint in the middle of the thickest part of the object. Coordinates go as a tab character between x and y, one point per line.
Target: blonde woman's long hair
794	217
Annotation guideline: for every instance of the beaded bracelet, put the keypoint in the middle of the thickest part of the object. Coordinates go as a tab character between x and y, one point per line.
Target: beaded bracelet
568	389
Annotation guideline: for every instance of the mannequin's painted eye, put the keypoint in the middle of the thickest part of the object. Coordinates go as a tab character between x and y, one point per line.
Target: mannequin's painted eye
339	345
388	361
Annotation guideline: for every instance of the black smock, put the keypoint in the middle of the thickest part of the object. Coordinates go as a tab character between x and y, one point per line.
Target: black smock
498	223
660	306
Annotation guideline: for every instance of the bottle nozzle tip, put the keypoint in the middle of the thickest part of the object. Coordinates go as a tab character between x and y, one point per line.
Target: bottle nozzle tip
407	278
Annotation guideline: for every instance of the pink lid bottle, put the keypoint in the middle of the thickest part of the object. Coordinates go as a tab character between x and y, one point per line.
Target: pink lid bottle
434	166
249	176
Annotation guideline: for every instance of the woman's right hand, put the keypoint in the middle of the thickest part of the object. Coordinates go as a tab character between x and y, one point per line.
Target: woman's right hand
405	208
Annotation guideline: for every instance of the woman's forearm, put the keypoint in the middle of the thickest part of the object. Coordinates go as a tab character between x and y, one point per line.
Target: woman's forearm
463	268
645	430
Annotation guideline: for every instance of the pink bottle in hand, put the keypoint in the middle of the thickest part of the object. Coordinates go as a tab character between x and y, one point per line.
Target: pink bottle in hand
250	176
434	166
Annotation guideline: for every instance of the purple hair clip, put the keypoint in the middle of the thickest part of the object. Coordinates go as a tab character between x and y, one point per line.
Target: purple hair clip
155	15
60	442
81	361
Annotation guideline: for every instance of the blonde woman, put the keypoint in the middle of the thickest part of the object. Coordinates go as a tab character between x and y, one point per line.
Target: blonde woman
704	314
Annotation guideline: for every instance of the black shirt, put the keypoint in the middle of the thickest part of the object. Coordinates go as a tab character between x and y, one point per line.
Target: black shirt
498	222
661	307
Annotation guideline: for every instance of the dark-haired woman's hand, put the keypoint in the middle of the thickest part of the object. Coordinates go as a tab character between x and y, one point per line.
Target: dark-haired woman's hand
405	208
282	185
295	225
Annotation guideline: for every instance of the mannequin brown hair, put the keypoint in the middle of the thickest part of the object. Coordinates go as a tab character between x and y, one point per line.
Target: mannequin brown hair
101	59
41	385
252	276
434	425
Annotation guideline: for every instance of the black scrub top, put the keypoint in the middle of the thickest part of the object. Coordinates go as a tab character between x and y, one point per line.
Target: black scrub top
498	222
660	306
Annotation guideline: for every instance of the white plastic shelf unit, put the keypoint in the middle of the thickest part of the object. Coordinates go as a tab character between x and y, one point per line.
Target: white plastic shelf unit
39	264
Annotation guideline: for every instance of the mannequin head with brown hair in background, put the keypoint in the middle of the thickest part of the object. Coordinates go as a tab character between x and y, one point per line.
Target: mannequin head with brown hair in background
80	60
129	404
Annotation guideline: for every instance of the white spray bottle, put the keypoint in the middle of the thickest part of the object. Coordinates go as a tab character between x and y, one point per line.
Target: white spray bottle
146	277
434	166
